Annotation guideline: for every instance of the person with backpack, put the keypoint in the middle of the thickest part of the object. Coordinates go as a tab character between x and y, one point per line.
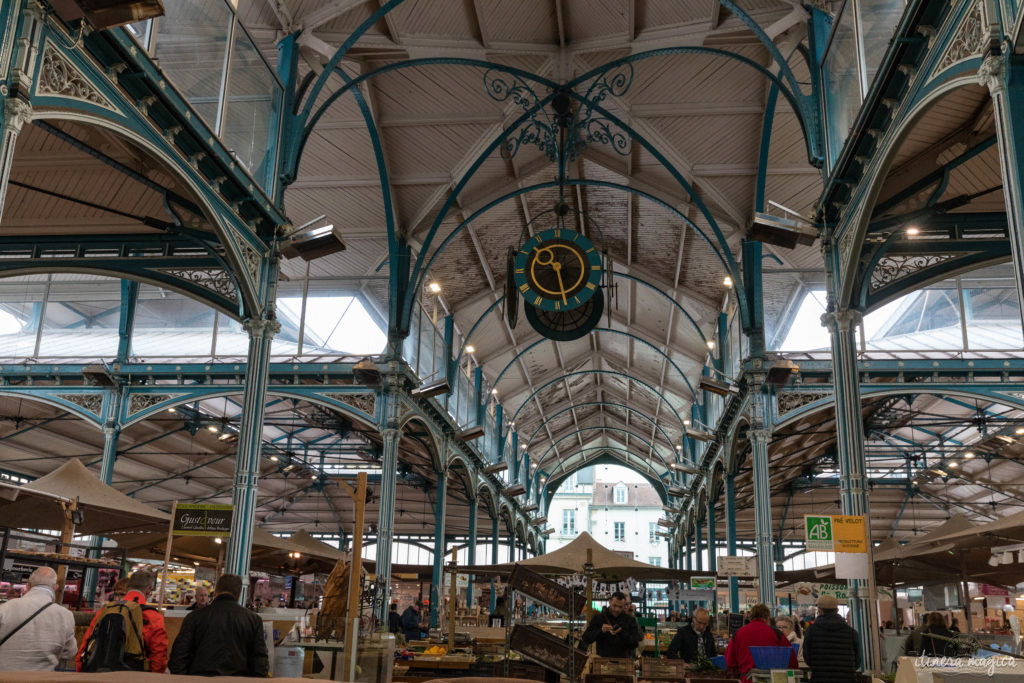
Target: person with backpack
35	632
221	639
126	635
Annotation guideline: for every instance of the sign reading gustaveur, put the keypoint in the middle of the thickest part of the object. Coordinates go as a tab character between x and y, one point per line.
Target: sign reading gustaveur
193	519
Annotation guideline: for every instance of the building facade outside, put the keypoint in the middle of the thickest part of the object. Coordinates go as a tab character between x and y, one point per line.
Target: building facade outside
619	508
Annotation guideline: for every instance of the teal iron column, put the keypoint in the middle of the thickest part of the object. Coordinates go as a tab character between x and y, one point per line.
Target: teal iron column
699	547
1002	75
250	444
494	558
730	538
111	433
386	518
471	549
16	113
853	489
712	539
512	544
440	546
760	434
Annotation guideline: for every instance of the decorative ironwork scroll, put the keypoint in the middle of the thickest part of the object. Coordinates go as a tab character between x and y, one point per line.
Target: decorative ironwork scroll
893	268
585	127
59	77
90	403
788	401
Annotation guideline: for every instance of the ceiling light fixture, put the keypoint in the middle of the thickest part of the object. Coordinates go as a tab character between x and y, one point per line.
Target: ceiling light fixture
727	281
782	232
434	287
470	348
913	230
717	386
969	455
711	344
470	433
213	428
684	468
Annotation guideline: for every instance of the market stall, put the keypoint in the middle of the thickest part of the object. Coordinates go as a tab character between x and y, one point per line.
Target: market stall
72	501
584	563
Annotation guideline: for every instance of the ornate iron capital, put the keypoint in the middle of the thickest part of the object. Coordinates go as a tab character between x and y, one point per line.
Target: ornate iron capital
17	112
992	74
843	320
261	327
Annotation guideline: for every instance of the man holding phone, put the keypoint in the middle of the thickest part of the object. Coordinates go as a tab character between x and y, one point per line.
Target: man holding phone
616	632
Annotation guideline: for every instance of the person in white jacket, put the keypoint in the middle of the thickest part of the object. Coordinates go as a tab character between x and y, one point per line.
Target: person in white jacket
35	632
785	623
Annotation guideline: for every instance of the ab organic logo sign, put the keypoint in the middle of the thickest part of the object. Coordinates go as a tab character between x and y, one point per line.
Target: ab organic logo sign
819	532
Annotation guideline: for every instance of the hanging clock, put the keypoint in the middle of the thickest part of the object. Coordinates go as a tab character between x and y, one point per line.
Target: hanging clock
511	291
567	325
557	270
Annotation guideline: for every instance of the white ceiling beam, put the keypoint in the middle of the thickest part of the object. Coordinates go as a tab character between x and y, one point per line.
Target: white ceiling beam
327	12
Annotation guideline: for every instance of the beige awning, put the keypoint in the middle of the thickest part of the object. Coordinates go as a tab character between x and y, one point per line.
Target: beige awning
36	505
608	564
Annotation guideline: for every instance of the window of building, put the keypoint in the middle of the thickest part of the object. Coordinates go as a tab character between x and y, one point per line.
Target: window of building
656	561
620	531
568	521
654	531
619	494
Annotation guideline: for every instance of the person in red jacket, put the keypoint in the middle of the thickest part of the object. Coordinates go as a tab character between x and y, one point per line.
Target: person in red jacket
140	585
757	633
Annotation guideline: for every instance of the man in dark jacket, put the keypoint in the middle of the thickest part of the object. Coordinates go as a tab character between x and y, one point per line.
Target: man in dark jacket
411	623
394	620
695	640
616	633
222	639
831	648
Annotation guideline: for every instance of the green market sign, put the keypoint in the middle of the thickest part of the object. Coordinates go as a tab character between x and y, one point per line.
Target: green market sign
819	532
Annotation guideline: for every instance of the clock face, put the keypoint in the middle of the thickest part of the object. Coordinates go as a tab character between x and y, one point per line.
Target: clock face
567	325
557	270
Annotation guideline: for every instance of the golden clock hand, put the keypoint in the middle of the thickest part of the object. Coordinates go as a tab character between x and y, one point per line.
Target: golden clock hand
561	286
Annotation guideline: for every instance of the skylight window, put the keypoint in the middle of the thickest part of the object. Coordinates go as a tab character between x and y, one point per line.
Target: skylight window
10	324
335	325
807	333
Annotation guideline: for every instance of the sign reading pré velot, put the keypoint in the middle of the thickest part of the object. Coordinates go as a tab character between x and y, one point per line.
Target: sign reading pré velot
194	519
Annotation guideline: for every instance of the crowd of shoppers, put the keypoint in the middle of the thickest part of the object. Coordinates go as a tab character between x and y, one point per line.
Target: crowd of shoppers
217	638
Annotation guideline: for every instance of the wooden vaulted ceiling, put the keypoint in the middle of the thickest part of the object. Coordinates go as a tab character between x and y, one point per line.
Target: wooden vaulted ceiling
704	113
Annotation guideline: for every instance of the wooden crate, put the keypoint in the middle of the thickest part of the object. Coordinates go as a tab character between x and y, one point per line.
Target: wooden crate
546	649
663	668
609	678
611	665
546	591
